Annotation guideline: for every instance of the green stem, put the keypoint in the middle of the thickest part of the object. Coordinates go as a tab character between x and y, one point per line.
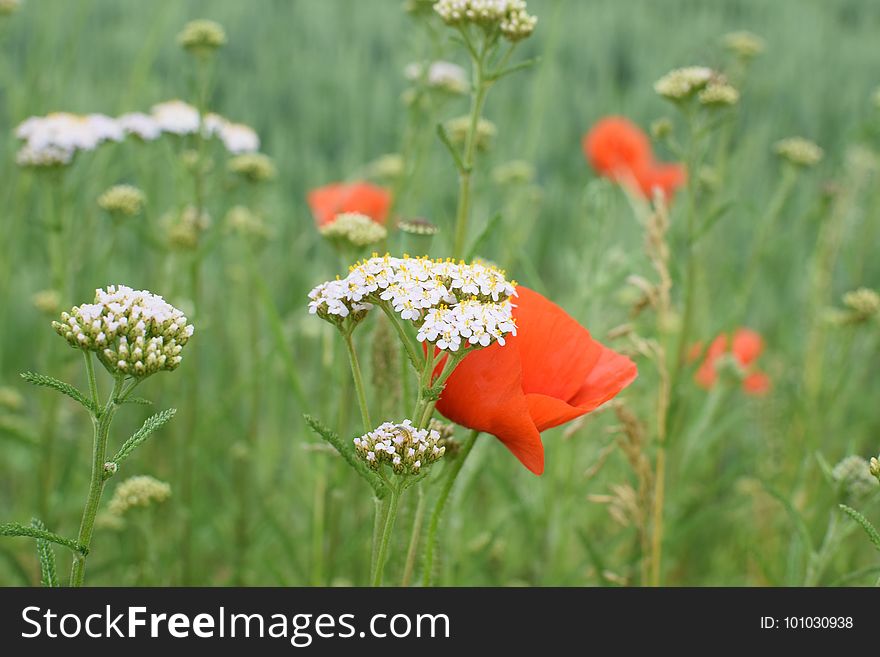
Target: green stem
358	382
412	352
101	422
440	504
481	88
415	535
90	372
385	540
381	513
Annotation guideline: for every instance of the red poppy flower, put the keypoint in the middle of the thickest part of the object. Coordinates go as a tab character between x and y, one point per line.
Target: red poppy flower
618	149
551	372
330	200
746	346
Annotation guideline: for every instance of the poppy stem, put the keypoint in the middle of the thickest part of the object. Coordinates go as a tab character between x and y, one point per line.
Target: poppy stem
358	382
440	504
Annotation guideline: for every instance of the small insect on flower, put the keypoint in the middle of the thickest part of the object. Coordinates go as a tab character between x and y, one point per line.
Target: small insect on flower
253	167
123	201
202	36
403	447
508	16
744	347
138	492
134	333
798	151
353	228
336	198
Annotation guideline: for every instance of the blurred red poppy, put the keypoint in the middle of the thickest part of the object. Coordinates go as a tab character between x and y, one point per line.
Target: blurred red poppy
745	347
551	372
618	149
331	200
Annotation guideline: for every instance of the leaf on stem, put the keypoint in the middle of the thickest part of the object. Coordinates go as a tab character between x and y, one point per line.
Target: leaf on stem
870	530
60	386
16	529
347	452
494	77
150	425
488	230
444	137
136	400
48	570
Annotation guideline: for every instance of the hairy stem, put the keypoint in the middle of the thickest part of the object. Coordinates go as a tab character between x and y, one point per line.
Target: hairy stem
358	382
385	539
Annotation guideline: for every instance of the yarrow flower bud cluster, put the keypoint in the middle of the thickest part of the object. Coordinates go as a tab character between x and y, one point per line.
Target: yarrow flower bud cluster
718	94
202	36
386	167
853	475
184	228
509	16
354	228
744	44
683	83
799	151
440	75
132	332
244	222
141	491
405	448
123	200
253	167
863	303
458	128
515	172
451	304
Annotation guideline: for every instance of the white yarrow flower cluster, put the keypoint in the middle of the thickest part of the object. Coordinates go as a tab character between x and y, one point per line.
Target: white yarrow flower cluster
132	332
441	75
140	125
452	304
405	448
684	82
510	16
55	138
176	117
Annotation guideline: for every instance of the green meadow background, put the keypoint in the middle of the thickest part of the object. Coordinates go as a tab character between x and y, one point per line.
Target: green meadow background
321	82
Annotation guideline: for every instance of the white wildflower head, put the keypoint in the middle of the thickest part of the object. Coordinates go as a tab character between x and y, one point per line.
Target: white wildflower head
202	36
132	332
176	117
355	229
718	94
684	83
508	16
137	492
123	201
744	44
799	151
54	139
452	305
457	130
43	157
253	167
440	75
140	125
404	448
239	138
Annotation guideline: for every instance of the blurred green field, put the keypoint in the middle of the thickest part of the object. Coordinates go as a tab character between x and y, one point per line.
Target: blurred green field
321	82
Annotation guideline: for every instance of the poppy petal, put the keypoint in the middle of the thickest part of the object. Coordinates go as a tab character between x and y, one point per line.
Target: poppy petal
612	373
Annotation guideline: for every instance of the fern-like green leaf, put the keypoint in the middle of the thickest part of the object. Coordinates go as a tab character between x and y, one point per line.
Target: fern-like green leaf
138	400
15	529
347	452
150	425
60	386
870	530
48	570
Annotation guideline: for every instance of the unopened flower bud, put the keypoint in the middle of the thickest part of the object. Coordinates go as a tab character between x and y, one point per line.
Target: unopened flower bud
683	83
718	95
123	201
515	172
355	229
863	302
855	478
457	129
508	16
243	222
253	167
386	168
798	151
202	36
47	301
744	44
662	128
183	229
